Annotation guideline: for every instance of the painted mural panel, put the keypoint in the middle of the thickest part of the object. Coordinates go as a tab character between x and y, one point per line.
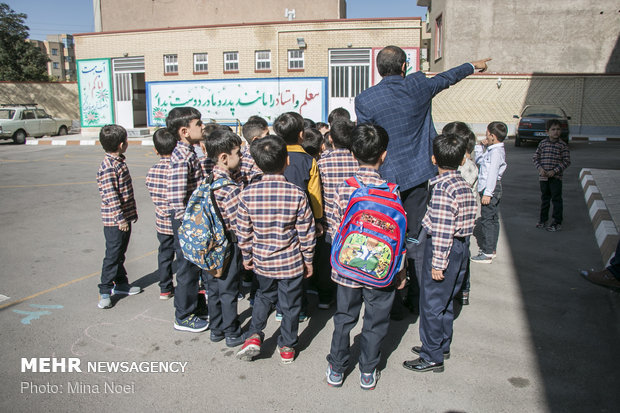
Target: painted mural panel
95	87
239	98
413	62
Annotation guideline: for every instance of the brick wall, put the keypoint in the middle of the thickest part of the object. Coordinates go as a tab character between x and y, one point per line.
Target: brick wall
59	99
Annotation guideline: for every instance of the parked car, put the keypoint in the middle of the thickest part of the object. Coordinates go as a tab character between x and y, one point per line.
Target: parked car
533	119
19	121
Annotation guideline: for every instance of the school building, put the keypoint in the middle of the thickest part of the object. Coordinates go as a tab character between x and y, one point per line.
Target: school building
232	71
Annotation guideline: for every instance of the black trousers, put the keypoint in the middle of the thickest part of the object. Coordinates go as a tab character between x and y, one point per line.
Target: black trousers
188	276
223	297
165	258
551	192
378	303
113	269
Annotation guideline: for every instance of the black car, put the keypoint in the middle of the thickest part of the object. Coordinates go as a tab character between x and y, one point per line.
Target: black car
532	123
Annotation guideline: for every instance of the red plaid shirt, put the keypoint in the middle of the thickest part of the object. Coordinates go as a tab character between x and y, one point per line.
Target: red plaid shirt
227	199
249	170
275	228
367	176
552	156
118	205
451	213
335	167
184	175
157	184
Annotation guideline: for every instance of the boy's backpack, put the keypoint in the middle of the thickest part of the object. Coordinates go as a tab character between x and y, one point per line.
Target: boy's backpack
369	246
202	235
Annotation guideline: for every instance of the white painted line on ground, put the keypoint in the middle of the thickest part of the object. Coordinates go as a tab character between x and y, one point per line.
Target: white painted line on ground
3	298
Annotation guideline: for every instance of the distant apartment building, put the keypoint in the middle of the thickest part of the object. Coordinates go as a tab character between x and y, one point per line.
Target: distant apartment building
59	48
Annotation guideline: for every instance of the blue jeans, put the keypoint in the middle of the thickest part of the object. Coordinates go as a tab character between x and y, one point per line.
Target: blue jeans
113	269
489	221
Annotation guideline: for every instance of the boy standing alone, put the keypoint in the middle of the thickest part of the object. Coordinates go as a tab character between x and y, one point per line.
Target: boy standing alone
552	157
118	210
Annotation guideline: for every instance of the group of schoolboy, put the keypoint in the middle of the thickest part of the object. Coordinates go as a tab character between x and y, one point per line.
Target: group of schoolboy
284	204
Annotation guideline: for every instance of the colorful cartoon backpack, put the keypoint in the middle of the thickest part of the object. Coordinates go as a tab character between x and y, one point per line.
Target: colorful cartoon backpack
202	235
369	246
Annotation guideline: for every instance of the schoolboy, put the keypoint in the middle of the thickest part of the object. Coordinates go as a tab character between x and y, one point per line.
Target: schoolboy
184	176
491	160
338	113
157	184
322	127
449	221
224	146
312	142
335	167
552	157
369	146
253	129
118	210
276	238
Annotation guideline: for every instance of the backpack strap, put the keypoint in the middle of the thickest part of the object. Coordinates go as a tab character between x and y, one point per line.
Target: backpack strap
222	183
353	181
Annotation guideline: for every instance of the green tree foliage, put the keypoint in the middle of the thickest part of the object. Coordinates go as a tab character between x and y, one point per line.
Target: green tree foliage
19	60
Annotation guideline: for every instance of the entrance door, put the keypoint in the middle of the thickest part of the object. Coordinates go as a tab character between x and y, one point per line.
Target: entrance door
129	106
349	75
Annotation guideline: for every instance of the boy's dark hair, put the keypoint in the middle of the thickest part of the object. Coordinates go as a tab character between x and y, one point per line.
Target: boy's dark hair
461	130
309	123
181	117
552	122
340	133
269	153
221	141
390	61
259	120
449	151
368	142
499	129
312	142
209	129
252	129
327	141
164	141
288	126
111	136
320	125
338	113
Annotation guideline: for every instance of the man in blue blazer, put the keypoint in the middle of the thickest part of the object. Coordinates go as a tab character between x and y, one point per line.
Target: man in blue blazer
402	106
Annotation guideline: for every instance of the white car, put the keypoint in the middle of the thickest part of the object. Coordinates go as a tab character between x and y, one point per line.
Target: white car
19	121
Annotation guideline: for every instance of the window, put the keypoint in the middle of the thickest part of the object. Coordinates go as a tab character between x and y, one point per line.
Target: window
296	59
201	62
55	65
263	60
171	64
231	61
54	52
439	37
68	42
68	59
349	72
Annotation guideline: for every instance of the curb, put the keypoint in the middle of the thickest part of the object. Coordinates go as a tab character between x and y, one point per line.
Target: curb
82	142
595	139
604	227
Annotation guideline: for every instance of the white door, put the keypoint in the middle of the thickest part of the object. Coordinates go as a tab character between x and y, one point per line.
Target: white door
123	99
349	75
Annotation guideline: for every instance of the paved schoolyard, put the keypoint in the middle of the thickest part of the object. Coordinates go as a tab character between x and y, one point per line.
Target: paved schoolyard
536	337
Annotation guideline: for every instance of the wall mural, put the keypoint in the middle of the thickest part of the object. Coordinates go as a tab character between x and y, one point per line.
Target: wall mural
95	87
224	100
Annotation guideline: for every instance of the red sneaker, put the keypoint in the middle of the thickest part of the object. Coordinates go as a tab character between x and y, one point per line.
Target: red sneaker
287	354
250	349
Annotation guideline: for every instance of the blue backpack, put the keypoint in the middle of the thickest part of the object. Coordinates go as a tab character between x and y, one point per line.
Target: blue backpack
369	246
202	235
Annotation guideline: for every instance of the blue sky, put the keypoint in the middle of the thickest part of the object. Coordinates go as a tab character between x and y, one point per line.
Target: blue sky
76	16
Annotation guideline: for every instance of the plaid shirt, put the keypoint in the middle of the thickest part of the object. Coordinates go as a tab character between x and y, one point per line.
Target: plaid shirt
275	228
249	170
118	205
334	167
227	199
552	156
157	184
451	213
184	175
367	176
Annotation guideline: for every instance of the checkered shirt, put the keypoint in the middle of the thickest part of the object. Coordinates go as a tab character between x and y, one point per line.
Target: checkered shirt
157	185
249	170
334	167
227	199
184	175
552	156
451	213
367	176
118	205
275	228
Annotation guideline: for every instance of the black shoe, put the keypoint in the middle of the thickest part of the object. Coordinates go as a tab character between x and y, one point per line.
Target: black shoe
421	365
216	337
417	349
235	341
